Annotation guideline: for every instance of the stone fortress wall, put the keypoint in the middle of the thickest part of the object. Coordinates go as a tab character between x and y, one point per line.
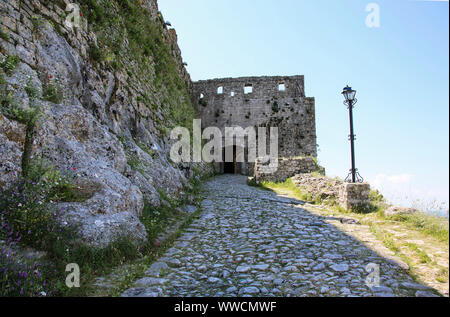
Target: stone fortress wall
277	101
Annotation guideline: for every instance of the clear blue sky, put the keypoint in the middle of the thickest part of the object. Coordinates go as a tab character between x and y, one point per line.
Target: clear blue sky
400	72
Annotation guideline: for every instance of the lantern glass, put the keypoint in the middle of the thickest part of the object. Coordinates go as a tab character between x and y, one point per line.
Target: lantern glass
349	93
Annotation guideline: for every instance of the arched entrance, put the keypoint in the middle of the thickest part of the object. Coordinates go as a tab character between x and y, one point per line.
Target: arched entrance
229	168
236	165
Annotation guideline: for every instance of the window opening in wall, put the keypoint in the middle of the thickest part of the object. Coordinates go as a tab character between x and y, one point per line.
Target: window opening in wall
232	94
248	89
202	96
220	90
281	87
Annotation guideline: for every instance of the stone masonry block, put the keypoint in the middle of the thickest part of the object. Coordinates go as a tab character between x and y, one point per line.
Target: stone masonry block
354	195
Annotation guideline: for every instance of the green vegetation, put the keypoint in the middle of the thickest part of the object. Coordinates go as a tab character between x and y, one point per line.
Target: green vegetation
377	199
424	258
9	64
289	187
29	207
95	54
53	92
145	148
32	91
136	270
426	223
11	109
157	220
29	210
443	275
3	35
134	162
389	241
435	226
37	23
147	56
26	210
31	218
95	12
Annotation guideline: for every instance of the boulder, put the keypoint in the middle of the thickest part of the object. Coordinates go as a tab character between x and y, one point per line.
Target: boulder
396	210
71	139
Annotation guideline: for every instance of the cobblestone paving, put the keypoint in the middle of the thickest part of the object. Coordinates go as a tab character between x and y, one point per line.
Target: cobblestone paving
250	242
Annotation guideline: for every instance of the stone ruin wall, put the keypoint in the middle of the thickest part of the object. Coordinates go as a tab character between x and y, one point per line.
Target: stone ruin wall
286	168
224	103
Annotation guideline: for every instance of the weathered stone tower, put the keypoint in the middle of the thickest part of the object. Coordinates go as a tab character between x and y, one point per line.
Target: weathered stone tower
260	102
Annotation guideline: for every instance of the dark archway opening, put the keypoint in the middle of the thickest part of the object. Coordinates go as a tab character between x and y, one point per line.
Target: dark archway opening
229	167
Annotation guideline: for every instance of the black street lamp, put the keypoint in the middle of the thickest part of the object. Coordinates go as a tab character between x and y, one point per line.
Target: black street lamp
350	101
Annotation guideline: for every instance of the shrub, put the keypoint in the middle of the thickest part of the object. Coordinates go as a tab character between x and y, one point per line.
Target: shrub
10	108
145	148
53	92
28	207
157	219
95	54
37	23
9	64
24	280
95	12
127	21
31	90
376	197
30	217
4	35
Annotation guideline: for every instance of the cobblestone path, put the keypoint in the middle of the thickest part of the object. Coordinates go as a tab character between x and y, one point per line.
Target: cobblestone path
251	242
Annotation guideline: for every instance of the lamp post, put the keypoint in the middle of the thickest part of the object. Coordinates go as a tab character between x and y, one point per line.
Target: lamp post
350	101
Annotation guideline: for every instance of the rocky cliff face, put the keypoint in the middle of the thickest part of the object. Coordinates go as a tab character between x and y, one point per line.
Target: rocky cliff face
107	92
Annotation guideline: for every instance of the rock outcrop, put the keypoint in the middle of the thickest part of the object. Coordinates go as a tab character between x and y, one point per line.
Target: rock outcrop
319	187
332	191
104	112
397	210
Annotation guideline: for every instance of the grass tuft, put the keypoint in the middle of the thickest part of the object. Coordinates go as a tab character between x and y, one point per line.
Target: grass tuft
3	35
435	226
53	92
